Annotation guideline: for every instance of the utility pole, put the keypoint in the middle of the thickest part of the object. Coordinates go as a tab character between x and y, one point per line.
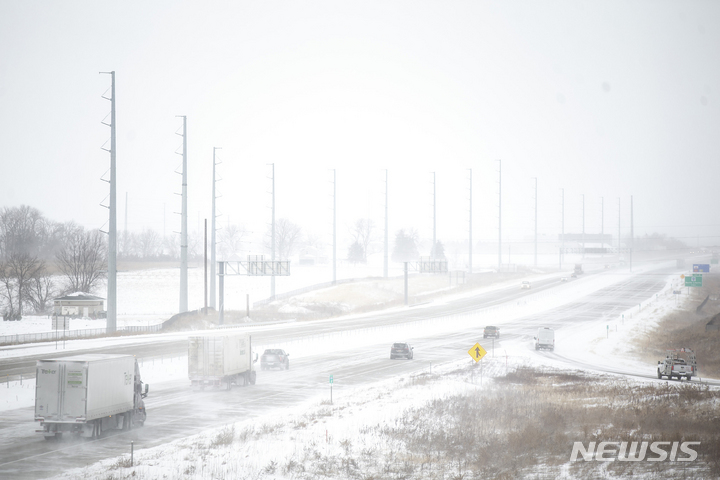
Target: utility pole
619	226
334	280
184	226
470	241
213	245
499	214
583	224
632	231
125	231
111	325
434	244
602	219
385	255
536	201
272	236
562	228
205	272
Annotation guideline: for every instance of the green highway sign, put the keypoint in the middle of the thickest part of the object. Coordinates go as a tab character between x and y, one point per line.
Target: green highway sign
693	280
714	261
331	379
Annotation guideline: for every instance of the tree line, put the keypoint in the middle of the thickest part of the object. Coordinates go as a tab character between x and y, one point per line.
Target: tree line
41	259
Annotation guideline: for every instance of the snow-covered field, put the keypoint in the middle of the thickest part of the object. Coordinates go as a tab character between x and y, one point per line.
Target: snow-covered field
312	439
273	446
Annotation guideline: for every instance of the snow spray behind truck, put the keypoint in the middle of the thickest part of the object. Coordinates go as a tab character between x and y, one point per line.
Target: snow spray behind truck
214	360
86	394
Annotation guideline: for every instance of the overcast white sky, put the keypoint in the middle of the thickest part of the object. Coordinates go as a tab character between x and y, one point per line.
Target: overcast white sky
603	98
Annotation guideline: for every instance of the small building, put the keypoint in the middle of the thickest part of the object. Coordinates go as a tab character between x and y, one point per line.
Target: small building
79	304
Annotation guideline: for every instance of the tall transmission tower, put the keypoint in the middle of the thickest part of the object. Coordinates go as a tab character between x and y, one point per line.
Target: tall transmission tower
632	231
213	245
184	224
618	224
385	254
583	223
111	325
470	241
125	230
272	235
562	227
602	219
434	244
499	215
334	268
536	231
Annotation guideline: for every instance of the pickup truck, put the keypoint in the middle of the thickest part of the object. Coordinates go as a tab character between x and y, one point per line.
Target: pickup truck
678	363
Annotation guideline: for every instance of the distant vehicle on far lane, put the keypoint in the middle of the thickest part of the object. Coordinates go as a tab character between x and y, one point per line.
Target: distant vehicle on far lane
545	339
491	331
401	349
563	279
525	284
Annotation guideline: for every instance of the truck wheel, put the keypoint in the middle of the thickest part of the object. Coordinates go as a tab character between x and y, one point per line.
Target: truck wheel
659	374
287	365
97	428
688	377
127	420
253	378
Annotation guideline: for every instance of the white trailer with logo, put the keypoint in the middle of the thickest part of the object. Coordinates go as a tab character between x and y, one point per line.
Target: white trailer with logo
86	394
215	360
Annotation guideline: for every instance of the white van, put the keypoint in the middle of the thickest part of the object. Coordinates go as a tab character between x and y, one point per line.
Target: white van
545	339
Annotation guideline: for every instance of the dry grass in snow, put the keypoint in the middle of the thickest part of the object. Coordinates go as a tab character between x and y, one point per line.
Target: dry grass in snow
446	425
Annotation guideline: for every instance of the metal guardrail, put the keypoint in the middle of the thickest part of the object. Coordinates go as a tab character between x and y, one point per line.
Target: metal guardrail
21	338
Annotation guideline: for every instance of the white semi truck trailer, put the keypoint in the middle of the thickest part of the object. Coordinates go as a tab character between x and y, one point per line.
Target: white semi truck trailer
86	394
216	360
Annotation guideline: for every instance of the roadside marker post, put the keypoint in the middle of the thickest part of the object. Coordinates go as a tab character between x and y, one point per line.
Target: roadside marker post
331	384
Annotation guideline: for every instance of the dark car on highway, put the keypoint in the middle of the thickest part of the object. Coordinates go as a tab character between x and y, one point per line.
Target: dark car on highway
275	358
401	350
491	331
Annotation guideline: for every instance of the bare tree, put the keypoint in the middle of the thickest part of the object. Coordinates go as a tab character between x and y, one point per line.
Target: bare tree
149	243
231	240
42	290
362	233
83	260
8	292
171	246
21	240
287	237
405	249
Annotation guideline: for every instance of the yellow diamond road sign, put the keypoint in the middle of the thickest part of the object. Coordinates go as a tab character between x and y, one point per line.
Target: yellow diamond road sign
477	352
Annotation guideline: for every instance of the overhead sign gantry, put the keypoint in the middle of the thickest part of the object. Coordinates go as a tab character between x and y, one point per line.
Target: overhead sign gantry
255	266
